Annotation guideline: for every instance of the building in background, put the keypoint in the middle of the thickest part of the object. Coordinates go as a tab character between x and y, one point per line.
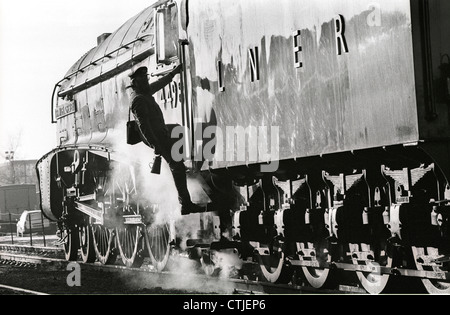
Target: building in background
18	172
18	190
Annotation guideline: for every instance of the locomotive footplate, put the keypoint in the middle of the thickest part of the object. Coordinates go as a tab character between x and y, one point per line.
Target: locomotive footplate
102	217
92	212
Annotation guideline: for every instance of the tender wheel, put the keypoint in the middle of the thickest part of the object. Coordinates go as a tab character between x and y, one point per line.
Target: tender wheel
432	286
273	268
104	244
317	277
71	243
130	245
372	282
159	237
86	244
272	264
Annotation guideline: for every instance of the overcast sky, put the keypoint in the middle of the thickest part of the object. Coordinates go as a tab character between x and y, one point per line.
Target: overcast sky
39	42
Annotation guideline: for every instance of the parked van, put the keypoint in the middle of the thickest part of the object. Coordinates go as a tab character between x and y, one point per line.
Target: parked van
36	219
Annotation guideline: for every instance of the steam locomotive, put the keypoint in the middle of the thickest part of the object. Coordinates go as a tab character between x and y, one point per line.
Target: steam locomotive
316	134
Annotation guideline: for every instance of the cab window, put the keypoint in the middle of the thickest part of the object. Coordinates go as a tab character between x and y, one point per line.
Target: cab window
167	33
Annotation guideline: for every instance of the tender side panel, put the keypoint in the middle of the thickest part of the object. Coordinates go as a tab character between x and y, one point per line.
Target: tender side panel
285	64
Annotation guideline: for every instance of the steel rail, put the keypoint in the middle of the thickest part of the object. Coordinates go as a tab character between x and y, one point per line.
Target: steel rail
240	286
40	255
15	289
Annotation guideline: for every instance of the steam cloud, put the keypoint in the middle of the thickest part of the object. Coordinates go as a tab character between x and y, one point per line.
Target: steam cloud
160	190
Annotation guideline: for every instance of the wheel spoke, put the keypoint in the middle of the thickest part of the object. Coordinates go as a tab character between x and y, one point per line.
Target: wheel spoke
129	243
71	243
158	244
87	244
103	243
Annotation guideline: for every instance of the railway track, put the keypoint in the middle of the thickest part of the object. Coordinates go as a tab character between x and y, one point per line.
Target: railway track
9	290
180	281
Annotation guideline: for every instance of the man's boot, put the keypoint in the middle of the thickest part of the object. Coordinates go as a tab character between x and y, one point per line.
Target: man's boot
179	176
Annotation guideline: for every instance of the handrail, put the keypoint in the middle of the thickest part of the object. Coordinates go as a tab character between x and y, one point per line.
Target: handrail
93	63
113	71
57	85
107	74
162	72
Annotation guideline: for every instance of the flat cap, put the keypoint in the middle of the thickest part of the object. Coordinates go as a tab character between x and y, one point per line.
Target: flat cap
140	72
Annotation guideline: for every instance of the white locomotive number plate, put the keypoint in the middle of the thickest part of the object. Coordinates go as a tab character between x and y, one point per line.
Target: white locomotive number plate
65	109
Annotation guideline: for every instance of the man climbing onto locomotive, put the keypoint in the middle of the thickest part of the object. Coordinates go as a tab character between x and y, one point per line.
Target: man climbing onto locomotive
154	132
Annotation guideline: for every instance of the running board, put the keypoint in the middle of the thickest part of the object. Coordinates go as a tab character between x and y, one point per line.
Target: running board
100	216
90	211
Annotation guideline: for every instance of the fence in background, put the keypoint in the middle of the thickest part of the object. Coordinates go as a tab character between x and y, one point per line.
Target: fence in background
9	231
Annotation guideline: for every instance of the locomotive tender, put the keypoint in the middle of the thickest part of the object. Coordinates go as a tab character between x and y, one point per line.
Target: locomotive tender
316	133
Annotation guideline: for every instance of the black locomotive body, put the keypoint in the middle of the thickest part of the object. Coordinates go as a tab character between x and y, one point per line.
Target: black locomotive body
315	132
